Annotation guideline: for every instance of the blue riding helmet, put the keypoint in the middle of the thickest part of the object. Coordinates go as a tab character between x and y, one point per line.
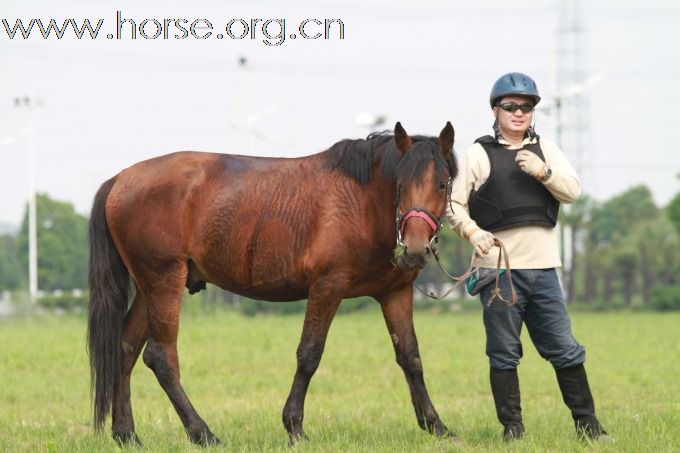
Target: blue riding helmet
514	83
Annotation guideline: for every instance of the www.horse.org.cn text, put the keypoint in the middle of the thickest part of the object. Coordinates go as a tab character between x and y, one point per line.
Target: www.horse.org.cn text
271	32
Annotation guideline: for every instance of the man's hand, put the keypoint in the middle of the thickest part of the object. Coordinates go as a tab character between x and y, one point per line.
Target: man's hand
481	240
531	164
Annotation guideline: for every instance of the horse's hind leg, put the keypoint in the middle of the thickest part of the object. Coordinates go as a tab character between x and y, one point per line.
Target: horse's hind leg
160	354
397	309
134	337
321	309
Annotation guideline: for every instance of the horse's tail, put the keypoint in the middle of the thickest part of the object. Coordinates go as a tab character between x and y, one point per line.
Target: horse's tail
109	295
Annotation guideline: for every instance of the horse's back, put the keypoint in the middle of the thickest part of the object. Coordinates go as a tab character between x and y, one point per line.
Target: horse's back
180	188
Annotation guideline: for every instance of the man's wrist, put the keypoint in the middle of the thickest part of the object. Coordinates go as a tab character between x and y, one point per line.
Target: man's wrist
546	174
469	230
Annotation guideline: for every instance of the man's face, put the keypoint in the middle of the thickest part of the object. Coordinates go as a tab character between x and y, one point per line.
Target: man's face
515	121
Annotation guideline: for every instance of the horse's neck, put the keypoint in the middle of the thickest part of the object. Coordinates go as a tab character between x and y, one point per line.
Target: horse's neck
383	198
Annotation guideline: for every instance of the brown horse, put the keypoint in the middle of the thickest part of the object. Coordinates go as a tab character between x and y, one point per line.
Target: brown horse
320	227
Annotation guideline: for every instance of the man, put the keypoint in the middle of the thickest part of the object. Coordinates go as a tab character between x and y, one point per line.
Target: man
510	187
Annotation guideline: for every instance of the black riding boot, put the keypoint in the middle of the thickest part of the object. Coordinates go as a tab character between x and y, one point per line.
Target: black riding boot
505	389
576	393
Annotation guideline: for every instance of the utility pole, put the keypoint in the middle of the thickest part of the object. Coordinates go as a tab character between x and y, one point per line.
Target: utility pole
573	110
30	103
572	115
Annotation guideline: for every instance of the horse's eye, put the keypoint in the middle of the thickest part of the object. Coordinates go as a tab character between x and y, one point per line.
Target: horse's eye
442	186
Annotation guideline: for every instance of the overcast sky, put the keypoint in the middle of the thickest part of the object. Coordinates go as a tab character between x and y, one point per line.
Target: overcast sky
111	103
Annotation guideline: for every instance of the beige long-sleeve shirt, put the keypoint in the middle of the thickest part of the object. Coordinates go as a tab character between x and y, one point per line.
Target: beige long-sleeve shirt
531	246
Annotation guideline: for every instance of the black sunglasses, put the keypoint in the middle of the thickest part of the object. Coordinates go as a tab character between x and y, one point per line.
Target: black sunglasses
512	107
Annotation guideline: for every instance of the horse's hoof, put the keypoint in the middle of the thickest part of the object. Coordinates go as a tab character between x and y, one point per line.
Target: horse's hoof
448	436
204	438
297	437
212	440
513	431
438	429
127	439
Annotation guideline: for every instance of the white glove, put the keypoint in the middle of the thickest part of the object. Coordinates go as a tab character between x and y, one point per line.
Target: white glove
531	164
482	241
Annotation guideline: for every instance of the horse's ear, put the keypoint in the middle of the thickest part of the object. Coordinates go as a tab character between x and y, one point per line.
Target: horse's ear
401	138
446	137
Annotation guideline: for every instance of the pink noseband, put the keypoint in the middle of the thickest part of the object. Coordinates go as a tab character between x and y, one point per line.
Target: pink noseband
420	215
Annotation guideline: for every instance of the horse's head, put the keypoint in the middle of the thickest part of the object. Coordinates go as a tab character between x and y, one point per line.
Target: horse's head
424	176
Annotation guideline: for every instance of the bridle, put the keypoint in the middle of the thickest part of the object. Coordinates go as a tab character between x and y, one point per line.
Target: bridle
436	226
422	213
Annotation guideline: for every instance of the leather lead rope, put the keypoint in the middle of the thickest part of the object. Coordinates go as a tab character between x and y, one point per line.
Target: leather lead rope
474	266
496	293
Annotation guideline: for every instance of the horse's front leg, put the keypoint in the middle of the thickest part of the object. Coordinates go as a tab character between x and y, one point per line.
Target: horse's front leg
397	309
322	305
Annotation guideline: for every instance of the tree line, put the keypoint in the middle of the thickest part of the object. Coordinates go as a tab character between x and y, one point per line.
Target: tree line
62	249
624	252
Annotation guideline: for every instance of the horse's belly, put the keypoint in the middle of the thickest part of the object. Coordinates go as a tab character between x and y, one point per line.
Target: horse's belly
256	258
272	290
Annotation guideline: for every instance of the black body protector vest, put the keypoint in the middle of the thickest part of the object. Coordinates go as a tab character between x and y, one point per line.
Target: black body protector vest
510	197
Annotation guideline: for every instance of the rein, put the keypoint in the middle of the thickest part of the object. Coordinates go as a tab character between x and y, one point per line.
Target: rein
474	267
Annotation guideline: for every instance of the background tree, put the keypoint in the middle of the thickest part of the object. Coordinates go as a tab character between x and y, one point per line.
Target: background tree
673	212
575	218
12	274
62	245
612	237
586	256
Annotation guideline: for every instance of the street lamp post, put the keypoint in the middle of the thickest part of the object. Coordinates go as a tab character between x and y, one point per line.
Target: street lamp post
31	103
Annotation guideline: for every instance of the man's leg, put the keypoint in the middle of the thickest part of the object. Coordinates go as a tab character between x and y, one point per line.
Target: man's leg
503	325
550	329
506	397
576	394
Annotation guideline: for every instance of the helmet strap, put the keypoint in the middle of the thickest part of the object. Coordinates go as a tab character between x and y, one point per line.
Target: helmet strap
531	132
496	129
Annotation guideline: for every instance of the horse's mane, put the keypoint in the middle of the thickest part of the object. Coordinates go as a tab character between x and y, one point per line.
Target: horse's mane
358	158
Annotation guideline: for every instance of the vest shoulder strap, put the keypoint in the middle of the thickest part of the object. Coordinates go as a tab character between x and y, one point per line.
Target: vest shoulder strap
489	139
485	139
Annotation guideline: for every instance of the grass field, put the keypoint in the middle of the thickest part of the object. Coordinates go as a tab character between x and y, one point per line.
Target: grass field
238	372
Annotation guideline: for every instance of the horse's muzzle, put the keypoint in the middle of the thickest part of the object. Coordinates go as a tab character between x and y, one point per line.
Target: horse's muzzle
410	260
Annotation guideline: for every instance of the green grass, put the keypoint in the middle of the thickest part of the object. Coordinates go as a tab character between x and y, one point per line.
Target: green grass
238	370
